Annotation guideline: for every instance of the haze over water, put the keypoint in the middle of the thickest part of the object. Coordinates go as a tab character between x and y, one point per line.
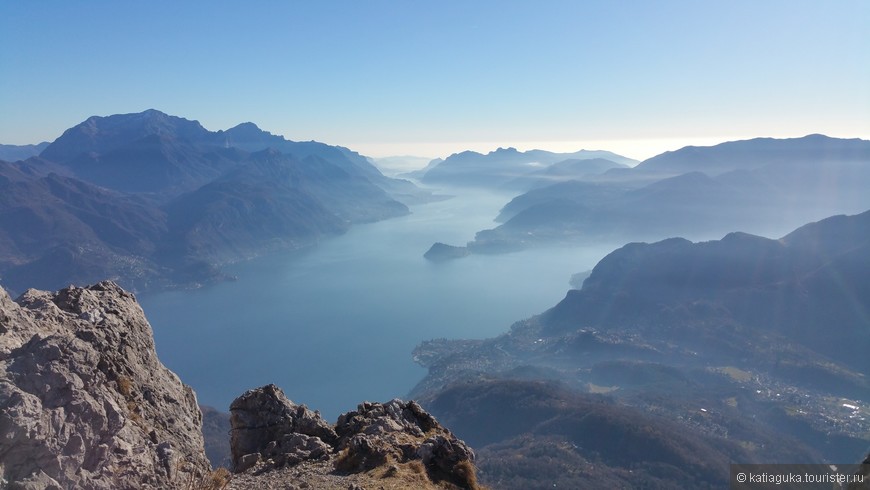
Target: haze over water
336	324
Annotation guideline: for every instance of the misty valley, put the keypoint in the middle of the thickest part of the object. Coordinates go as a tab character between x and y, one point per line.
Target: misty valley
578	319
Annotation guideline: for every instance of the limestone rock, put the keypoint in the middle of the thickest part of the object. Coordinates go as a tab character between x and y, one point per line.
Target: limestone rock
444	455
265	422
376	433
397	439
84	401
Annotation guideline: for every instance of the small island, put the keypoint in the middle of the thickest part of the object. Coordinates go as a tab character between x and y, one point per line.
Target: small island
440	252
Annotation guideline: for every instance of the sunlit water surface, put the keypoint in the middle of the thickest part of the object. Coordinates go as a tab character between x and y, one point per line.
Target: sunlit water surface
336	324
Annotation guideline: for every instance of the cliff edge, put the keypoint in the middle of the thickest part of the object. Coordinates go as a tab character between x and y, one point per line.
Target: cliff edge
84	400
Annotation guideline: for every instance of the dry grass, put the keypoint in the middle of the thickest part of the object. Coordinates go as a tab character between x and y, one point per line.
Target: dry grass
467	474
213	480
417	466
125	386
463	476
343	462
134	415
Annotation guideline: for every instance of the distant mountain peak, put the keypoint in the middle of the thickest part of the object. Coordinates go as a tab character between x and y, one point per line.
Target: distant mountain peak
247	128
504	165
11	153
466	153
152	114
133	118
250	137
755	153
100	134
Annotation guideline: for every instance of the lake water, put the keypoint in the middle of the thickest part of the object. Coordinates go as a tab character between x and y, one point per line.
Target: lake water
335	325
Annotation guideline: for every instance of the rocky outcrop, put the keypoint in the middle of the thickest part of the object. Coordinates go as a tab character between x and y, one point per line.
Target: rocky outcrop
84	400
266	426
397	440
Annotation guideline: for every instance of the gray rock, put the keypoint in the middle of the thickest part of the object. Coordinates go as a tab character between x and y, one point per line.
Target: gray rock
270	432
247	461
365	452
385	418
443	454
300	447
37	481
264	421
84	401
400	431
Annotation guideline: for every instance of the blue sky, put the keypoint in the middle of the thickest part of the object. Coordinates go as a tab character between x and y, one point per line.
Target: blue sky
431	78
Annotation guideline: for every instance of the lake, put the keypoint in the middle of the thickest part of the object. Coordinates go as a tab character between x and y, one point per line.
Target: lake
335	325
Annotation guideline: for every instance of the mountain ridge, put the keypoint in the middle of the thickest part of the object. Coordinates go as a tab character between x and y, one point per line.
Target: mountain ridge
508	166
750	153
756	346
107	176
677	194
12	153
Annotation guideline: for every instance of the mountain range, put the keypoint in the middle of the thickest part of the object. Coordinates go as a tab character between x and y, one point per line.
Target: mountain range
812	150
760	186
673	360
13	153
743	349
154	200
513	169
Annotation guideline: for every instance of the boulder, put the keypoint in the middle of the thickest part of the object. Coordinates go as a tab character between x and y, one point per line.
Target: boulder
265	422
